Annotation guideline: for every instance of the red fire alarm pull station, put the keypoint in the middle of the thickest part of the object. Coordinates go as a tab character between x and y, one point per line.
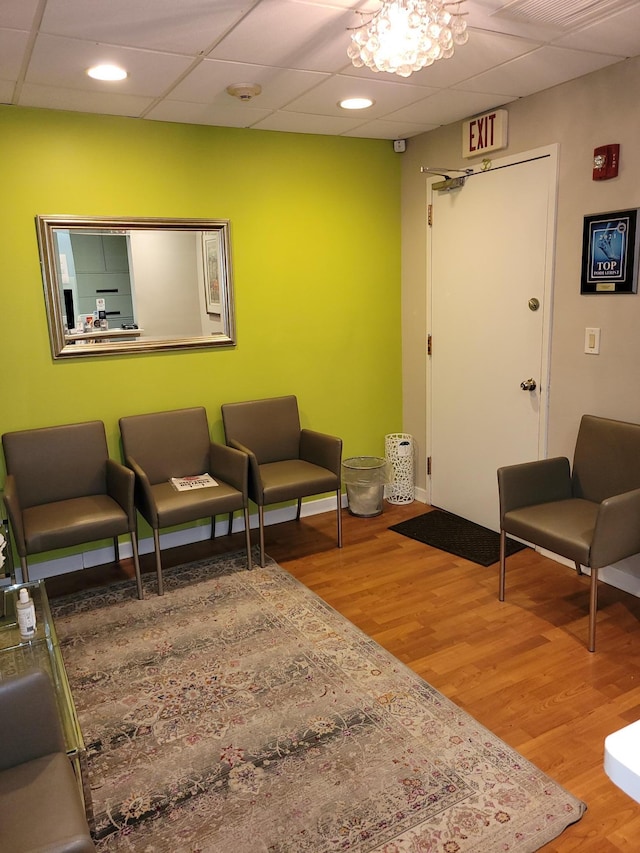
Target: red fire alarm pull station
605	162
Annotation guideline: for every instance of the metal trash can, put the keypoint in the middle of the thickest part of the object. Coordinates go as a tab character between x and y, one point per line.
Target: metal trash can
365	478
400	454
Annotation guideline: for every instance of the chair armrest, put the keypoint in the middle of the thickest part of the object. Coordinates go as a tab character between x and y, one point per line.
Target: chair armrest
120	485
321	449
29	719
143	494
530	483
617	531
230	465
256	491
14	511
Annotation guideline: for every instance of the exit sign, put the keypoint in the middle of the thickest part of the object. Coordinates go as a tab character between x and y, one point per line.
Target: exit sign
484	133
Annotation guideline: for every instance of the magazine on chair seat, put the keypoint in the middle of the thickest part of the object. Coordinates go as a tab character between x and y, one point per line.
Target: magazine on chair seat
195	481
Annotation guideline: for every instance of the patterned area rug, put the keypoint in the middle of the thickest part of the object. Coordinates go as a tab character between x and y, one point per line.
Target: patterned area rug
239	713
456	535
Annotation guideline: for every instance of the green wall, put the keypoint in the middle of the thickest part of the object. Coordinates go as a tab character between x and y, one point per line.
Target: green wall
315	233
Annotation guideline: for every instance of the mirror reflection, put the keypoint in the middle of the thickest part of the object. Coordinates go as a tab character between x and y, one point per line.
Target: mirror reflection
114	286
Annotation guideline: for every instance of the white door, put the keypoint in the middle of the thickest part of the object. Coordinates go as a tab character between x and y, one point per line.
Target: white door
491	253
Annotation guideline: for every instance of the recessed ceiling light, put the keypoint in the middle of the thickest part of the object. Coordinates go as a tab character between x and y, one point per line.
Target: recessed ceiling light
107	72
355	103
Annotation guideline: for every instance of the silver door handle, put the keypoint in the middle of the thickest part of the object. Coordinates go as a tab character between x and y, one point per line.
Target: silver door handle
528	385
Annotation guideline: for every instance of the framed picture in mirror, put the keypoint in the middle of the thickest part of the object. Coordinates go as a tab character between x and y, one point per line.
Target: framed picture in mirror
212	271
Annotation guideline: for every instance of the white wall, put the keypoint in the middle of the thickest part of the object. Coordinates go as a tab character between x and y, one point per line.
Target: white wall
597	109
167	283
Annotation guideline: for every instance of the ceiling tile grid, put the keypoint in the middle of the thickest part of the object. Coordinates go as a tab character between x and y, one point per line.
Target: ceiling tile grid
181	57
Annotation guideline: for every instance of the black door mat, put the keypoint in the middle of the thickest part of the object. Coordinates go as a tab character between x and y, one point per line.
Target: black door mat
456	535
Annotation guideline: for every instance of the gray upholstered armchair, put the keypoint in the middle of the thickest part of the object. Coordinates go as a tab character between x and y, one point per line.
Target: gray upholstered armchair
590	515
40	804
176	443
286	462
62	490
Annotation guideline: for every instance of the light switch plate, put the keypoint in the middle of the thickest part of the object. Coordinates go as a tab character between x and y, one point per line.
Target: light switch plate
592	341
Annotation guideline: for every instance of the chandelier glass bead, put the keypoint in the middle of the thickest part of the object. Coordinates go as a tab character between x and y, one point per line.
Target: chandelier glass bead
404	36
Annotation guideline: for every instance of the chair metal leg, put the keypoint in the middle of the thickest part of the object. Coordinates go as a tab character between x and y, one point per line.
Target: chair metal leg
25	570
299	509
156	544
593	609
230	528
339	516
247	534
213	527
136	563
503	567
116	550
261	531
578	568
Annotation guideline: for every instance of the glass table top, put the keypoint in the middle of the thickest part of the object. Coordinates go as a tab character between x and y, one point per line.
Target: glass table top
41	651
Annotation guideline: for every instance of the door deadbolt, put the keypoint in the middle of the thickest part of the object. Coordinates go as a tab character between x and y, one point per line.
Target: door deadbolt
528	385
534	304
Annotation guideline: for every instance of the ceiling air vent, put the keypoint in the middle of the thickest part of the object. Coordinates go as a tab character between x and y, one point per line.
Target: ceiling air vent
568	13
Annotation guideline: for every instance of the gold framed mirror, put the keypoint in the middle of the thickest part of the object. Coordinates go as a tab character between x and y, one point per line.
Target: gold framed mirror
116	286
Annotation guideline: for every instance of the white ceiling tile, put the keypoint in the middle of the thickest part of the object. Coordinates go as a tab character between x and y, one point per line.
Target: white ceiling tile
621	31
323	100
104	103
12	46
6	91
182	54
63	62
302	123
289	34
240	115
368	6
187	26
208	82
539	70
365	73
18	13
568	14
448	106
488	15
481	52
382	129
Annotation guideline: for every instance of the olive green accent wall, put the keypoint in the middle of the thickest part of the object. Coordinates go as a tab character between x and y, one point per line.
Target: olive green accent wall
315	232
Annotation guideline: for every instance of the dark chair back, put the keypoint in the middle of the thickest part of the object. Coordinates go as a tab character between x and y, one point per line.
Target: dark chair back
28	710
270	428
57	463
168	444
606	459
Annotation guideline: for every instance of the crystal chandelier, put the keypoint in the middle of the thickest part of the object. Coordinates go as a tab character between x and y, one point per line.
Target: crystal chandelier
404	36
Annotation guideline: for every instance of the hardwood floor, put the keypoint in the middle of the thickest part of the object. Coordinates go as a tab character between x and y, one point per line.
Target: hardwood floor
521	668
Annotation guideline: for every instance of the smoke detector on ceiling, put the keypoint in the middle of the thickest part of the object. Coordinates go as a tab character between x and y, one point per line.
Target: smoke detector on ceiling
244	91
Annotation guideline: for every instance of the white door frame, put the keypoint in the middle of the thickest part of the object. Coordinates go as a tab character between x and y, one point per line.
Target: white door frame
551	151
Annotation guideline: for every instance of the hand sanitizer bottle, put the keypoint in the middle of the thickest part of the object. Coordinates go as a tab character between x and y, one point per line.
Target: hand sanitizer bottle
26	612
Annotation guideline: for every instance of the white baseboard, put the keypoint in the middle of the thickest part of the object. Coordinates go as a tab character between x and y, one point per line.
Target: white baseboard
174	538
624	575
421	495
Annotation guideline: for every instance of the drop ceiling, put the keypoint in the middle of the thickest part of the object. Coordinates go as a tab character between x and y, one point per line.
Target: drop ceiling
182	54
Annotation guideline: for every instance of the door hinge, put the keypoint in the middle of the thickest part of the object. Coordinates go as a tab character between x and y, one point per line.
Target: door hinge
428	466
429	345
430	215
